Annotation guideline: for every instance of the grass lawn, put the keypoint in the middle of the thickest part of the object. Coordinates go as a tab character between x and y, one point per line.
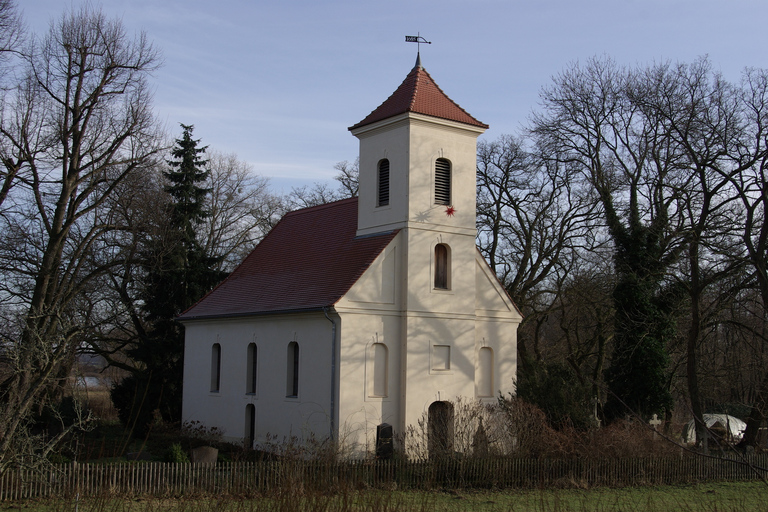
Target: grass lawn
720	497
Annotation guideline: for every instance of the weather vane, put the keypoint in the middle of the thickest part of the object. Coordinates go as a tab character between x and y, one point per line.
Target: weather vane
418	40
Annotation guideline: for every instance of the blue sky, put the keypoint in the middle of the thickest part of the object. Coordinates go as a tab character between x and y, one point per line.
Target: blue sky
279	82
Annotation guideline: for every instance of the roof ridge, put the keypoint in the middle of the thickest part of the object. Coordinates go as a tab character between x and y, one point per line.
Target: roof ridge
450	99
308	209
415	90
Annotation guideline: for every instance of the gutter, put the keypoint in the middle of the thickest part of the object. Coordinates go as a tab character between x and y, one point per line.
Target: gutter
315	309
333	374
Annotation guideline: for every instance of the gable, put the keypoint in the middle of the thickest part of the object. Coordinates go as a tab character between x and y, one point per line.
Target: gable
377	284
490	295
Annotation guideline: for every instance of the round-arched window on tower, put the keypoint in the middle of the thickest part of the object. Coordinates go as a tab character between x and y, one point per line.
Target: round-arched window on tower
442	267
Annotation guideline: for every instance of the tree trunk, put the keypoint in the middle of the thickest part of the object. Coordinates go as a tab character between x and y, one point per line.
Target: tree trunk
694	330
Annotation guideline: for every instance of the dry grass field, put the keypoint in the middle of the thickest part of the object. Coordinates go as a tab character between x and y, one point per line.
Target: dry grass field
719	497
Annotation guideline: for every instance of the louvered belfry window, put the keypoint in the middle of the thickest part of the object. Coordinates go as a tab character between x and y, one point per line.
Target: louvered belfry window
383	198
442	181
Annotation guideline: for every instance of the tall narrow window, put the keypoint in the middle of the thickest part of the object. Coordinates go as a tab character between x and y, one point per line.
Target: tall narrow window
292	381
250	426
442	264
383	192
485	372
215	368
442	181
251	362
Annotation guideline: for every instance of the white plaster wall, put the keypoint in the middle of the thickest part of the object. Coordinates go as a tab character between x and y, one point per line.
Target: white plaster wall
412	143
390	141
501	337
359	411
426	384
370	312
497	320
380	287
276	414
429	140
421	295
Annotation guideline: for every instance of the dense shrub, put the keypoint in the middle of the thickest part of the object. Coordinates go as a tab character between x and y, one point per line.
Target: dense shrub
176	453
135	401
557	391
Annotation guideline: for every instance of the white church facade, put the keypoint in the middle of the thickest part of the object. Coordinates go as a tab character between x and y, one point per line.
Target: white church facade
367	311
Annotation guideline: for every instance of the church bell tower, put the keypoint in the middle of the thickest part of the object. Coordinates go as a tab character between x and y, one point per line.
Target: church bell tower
417	175
417	160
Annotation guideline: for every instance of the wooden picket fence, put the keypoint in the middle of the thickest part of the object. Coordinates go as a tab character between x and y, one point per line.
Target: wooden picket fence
259	478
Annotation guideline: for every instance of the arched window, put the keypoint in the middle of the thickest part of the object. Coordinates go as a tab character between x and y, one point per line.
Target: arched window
250	426
251	365
442	181
383	183
378	369
292	381
442	267
485	372
440	430
215	368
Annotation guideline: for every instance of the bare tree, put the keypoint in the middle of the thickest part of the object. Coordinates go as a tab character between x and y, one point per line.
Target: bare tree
322	193
591	125
710	126
78	126
11	26
670	151
348	177
751	185
11	33
533	220
11	39
242	210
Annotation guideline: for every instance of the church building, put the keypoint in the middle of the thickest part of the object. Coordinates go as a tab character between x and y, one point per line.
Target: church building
366	311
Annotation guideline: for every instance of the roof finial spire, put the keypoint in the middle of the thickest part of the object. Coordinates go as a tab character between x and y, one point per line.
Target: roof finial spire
418	40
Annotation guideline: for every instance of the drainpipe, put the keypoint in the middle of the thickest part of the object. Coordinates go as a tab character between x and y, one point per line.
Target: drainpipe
333	373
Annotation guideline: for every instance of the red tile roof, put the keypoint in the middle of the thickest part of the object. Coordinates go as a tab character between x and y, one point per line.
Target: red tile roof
307	262
420	94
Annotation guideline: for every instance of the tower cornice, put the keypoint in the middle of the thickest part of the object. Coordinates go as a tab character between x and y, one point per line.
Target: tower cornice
414	117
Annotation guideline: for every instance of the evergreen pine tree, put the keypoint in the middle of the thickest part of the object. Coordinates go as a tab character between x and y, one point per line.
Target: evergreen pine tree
178	273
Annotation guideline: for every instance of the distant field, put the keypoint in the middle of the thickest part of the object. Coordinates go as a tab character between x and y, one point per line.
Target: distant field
720	497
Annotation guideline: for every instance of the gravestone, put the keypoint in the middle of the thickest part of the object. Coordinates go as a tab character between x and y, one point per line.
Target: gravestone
655	422
384	448
204	455
480	442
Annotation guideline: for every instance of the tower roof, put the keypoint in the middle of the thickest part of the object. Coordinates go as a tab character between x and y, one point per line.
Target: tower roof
421	95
